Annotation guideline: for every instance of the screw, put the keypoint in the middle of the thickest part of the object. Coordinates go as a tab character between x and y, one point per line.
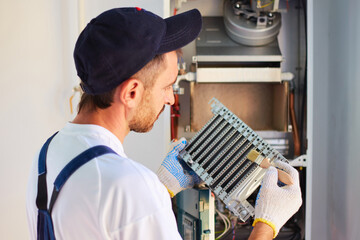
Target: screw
243	213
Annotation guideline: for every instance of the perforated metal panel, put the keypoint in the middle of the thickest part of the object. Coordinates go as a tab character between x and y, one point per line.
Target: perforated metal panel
218	154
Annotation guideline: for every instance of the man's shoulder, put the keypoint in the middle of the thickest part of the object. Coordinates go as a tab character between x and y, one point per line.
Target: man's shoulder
125	171
129	182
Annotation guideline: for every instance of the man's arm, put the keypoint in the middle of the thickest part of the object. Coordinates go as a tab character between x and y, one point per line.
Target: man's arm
261	231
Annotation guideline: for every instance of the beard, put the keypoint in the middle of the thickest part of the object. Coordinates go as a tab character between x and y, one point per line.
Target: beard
145	116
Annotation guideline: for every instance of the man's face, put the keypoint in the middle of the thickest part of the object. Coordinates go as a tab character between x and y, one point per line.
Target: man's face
154	99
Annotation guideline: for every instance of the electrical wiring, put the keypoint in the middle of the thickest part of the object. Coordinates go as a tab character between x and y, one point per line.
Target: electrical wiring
75	90
233	230
71	105
264	6
223	218
304	93
226	222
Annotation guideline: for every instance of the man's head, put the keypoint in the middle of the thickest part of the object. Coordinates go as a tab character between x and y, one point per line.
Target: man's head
132	49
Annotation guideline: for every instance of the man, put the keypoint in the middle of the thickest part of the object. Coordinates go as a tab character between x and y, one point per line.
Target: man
127	61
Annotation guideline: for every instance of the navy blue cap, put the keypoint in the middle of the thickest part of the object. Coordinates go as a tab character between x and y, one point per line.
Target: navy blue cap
119	42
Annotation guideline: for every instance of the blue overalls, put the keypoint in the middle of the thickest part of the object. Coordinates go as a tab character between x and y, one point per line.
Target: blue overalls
45	228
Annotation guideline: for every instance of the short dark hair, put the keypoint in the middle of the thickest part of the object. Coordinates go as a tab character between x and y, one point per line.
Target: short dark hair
147	75
92	102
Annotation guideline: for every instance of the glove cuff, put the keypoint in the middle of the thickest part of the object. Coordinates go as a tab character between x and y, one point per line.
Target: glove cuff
266	222
169	181
170	192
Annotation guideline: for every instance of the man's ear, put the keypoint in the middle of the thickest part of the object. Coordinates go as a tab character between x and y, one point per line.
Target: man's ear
130	92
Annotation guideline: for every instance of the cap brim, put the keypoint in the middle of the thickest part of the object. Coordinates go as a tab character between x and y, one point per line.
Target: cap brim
181	29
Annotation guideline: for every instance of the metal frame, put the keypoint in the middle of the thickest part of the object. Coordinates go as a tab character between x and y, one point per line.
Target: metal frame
218	154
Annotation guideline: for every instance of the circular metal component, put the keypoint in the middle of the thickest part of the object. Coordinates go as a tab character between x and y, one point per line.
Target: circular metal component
249	32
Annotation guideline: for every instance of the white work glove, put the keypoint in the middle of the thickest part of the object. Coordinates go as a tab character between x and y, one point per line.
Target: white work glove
275	205
174	173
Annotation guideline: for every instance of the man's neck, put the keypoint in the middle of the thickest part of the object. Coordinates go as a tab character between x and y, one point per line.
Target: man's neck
113	121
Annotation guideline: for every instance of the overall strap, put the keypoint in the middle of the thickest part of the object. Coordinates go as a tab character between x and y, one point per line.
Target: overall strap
45	230
73	165
42	197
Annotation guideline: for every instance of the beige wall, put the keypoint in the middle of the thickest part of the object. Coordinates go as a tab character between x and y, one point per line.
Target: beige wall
36	79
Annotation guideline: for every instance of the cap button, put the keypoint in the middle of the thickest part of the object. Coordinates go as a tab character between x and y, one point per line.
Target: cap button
137	8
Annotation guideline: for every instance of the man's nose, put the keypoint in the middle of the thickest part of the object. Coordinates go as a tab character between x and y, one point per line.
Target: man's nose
170	98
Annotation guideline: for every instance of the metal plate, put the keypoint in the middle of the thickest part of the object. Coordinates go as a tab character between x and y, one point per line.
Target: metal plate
218	154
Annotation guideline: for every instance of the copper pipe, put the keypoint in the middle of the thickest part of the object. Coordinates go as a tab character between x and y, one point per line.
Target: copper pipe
175	114
294	125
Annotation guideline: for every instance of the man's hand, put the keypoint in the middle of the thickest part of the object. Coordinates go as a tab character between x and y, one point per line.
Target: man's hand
174	173
275	205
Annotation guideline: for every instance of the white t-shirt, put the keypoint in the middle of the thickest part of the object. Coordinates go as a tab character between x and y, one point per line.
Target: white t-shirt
110	197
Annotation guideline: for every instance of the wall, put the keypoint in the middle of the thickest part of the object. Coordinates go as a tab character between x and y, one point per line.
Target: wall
36	81
37	76
318	107
344	120
334	119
